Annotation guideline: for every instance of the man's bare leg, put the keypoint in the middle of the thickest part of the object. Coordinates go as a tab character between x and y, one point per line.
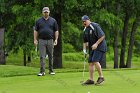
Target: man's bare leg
99	69
91	70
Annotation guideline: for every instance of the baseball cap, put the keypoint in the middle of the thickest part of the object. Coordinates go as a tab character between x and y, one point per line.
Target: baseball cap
85	17
46	9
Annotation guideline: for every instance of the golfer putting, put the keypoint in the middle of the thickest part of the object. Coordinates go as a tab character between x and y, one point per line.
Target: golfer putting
94	37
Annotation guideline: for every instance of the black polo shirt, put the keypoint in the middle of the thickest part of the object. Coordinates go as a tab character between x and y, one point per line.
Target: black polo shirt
92	34
46	28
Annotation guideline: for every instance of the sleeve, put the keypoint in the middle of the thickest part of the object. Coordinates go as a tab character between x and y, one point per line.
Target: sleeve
99	31
36	27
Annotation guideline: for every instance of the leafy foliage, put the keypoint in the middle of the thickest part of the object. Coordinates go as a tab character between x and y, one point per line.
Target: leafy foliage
71	35
66	48
137	43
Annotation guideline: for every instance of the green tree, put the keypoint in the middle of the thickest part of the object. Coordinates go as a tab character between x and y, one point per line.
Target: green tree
5	16
113	7
133	31
127	8
21	29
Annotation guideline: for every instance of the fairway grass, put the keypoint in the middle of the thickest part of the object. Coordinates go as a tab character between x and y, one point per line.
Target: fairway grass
116	81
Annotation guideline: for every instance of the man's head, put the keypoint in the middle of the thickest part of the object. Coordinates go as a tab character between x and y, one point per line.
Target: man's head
85	20
46	12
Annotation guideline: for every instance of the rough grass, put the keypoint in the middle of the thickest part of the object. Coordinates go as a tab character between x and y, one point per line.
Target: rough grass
70	60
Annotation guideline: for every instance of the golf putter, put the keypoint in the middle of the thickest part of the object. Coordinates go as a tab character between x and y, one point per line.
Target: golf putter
36	49
36	54
84	69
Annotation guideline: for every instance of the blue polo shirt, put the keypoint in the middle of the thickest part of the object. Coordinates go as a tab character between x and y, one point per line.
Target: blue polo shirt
92	34
46	28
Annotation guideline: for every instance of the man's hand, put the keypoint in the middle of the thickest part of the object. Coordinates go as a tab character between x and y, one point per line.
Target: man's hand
35	42
94	46
84	51
55	42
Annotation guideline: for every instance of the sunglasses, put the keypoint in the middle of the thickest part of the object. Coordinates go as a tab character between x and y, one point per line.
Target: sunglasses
45	12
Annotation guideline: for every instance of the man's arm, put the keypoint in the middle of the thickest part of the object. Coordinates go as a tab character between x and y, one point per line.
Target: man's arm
85	44
56	37
35	38
100	40
94	46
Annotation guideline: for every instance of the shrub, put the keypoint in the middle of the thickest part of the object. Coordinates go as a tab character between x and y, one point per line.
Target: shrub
72	35
73	57
66	48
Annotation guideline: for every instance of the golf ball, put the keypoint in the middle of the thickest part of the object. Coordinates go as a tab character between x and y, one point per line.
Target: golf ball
88	92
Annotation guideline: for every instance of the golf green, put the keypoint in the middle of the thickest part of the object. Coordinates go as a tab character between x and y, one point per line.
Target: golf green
116	81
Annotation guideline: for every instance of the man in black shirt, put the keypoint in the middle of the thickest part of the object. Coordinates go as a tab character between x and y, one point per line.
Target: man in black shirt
94	37
46	29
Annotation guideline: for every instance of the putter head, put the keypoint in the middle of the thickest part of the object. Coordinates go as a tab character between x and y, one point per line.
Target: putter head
82	83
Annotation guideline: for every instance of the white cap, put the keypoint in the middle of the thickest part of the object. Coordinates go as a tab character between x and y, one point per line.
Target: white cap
46	9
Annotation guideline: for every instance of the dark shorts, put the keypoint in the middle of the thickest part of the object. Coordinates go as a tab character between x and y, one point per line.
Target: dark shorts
95	56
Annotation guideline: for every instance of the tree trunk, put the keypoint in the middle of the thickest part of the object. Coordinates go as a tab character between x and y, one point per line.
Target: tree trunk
131	43
58	48
24	57
29	59
115	47
123	42
2	54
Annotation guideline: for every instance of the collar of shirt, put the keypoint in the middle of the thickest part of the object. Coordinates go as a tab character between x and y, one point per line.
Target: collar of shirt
46	18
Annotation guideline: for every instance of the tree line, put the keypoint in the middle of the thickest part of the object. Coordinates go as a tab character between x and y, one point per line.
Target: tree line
118	18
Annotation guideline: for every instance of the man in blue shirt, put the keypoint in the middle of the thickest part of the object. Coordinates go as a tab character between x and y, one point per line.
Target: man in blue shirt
94	38
46	30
